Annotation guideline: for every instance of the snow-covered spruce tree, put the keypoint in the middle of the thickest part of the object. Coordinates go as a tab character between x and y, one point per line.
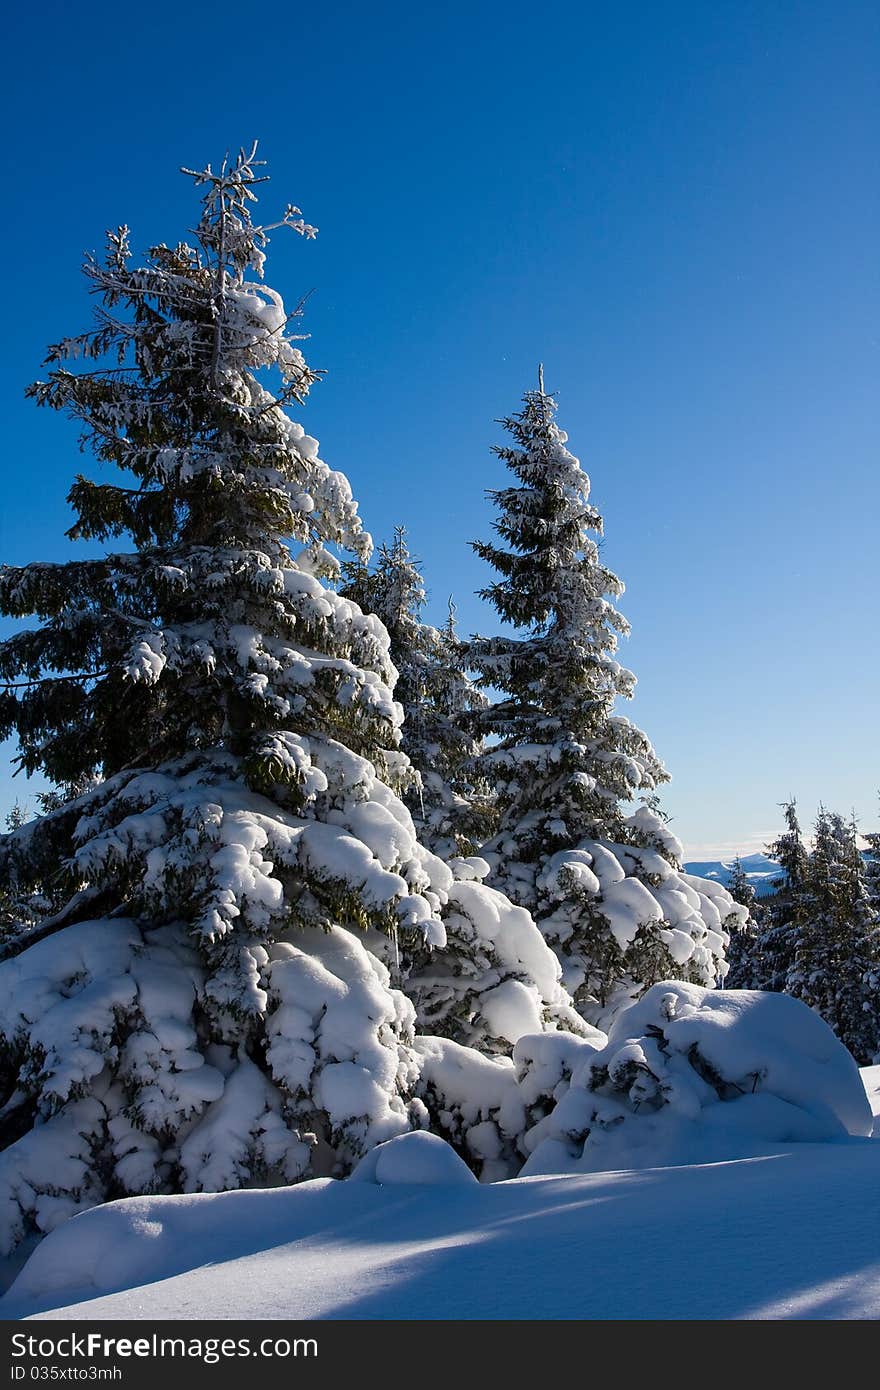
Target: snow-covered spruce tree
32	886
819	938
602	881
496	979
766	963
742	933
449	809
20	906
202	1011
836	962
872	867
740	888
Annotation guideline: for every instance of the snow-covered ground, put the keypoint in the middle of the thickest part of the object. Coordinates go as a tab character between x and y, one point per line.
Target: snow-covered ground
791	1234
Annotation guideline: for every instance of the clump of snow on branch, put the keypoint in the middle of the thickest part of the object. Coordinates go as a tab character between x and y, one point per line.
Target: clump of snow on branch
487	1105
634	894
497	978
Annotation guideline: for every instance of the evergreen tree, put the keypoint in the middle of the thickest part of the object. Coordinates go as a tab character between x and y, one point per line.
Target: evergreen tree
739	887
872	867
20	909
772	951
820	937
449	807
789	851
563	764
742	933
202	1009
837	944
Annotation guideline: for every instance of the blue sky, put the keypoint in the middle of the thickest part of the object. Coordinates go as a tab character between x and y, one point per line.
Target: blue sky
674	206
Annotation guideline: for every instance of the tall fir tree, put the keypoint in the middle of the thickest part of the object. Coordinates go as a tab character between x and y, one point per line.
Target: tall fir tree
601	879
203	1009
765	965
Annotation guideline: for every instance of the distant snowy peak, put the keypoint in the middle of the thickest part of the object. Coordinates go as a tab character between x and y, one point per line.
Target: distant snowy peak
760	871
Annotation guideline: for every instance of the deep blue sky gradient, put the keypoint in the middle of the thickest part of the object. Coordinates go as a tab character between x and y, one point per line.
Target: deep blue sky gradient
674	206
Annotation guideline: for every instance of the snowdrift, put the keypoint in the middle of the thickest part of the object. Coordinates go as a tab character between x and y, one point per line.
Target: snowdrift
781	1236
692	1075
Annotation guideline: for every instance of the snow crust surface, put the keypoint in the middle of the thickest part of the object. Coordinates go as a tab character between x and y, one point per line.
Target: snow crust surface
785	1235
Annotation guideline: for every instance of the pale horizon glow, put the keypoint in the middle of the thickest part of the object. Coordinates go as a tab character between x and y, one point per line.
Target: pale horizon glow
726	851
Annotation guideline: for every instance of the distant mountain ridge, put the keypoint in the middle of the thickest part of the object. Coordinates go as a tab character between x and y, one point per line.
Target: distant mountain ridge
761	871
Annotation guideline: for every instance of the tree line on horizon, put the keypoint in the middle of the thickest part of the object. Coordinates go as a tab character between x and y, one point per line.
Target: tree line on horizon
816	935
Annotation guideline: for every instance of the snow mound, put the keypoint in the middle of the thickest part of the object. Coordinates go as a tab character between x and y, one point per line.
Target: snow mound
692	1075
422	1159
546	1062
